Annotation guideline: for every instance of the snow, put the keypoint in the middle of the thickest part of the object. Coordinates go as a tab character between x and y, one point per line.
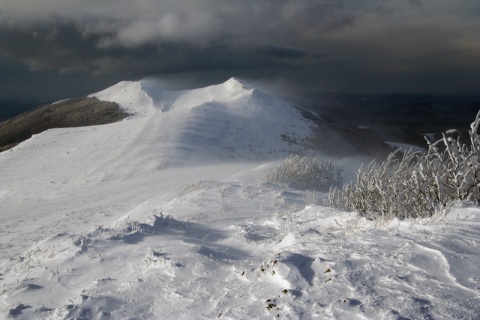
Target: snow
406	147
166	215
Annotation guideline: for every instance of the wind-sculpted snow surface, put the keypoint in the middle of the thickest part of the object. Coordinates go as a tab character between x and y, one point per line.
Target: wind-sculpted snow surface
156	218
241	250
220	122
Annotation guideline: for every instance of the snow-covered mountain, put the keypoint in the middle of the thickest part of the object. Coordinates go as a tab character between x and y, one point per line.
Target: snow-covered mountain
225	121
228	121
166	215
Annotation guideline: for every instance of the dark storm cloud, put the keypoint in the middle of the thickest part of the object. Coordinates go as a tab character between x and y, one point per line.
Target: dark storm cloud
68	37
331	45
415	2
63	47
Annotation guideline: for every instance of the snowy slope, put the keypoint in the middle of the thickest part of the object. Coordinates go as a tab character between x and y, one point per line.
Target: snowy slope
166	215
225	121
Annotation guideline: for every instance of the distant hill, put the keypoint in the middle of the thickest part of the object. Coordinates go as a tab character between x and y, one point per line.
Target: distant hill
400	117
429	110
69	113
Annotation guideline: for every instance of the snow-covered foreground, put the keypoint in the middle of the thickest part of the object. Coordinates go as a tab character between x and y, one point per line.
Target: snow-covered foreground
166	216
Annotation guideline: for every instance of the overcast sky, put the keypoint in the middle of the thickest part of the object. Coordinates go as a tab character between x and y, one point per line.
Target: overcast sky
62	48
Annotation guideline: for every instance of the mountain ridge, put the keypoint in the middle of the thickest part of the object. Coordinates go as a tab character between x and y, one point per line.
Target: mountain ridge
230	120
75	112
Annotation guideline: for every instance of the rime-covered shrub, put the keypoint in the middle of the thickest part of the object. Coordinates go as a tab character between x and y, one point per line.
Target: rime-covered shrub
306	173
416	185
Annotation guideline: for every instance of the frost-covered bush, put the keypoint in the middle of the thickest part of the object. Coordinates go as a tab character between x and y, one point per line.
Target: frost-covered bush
306	173
416	185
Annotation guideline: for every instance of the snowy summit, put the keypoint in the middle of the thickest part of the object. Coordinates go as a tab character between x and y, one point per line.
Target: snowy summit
225	121
167	215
